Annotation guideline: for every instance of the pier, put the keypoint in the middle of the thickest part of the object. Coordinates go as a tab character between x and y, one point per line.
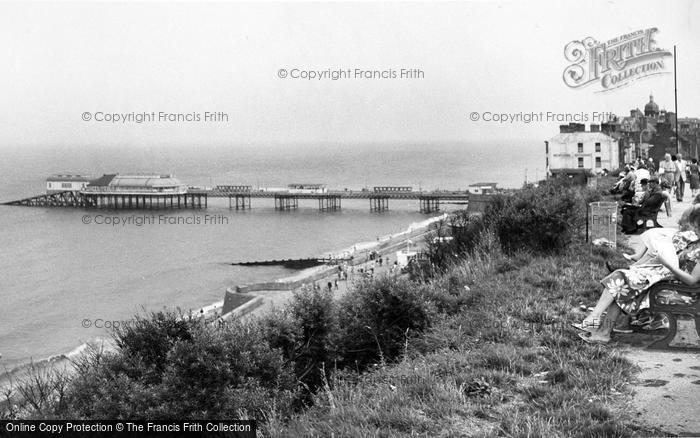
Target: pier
146	192
428	202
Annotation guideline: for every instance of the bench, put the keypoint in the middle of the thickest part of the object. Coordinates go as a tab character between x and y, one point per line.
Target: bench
650	217
681	304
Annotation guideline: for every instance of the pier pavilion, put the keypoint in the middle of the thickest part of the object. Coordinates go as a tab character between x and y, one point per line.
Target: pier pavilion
140	192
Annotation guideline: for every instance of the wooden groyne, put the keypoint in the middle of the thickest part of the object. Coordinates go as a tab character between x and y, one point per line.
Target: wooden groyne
303	263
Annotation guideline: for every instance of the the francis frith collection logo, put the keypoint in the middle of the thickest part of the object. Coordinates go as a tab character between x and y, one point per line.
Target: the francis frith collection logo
616	62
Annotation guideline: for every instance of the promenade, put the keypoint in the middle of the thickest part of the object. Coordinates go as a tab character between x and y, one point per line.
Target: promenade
277	299
667	391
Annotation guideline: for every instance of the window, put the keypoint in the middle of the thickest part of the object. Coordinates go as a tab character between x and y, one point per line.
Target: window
598	163
580	148
597	147
66	185
580	161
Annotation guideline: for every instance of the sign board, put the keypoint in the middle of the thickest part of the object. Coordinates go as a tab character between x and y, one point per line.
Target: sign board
602	222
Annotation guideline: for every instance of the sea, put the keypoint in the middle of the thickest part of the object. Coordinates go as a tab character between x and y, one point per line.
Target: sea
65	282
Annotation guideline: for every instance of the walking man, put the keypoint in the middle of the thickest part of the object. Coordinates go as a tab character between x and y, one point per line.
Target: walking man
680	188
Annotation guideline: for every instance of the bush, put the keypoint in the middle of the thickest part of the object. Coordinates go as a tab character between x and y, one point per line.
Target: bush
377	317
315	318
538	220
199	371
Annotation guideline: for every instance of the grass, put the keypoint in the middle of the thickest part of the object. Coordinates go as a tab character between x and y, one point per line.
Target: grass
506	365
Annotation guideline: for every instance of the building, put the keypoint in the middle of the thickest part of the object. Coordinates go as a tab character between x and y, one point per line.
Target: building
577	151
62	183
393	189
689	128
136	184
482	188
237	188
650	133
307	188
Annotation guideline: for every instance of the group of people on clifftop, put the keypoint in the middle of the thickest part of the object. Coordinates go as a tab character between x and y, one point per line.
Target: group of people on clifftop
663	254
645	188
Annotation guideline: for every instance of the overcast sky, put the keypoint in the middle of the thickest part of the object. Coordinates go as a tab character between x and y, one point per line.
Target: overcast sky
61	60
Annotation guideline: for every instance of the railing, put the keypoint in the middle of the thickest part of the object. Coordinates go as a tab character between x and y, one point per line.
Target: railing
129	191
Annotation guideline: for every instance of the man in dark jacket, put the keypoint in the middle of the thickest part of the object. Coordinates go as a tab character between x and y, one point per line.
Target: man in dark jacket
651	203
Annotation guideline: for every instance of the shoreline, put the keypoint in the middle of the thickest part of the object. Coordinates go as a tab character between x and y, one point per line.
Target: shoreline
214	311
280	289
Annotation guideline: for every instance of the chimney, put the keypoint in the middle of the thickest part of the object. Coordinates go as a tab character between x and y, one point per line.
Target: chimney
595	128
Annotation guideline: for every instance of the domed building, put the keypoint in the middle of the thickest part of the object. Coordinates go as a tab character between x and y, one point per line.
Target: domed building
651	109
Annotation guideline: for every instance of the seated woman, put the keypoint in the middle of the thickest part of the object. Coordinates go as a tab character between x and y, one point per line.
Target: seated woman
626	289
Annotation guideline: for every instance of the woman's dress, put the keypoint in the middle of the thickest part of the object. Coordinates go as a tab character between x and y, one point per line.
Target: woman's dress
669	172
628	286
694	177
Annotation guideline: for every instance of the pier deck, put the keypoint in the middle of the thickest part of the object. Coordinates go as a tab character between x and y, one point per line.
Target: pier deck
429	202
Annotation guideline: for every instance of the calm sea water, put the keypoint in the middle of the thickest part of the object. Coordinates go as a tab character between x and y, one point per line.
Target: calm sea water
57	271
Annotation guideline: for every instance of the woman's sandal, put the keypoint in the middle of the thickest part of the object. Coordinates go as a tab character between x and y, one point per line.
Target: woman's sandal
584	327
585	337
657	324
643	320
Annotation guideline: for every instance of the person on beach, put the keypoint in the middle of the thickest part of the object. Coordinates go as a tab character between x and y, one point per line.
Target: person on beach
625	290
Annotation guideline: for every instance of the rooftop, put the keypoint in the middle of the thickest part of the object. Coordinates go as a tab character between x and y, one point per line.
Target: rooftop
67	177
575	137
123	182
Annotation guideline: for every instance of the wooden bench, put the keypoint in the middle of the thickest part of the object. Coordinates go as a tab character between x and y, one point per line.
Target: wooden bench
681	304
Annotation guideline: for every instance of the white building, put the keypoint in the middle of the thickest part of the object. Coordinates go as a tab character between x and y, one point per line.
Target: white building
575	149
136	184
482	188
307	188
62	183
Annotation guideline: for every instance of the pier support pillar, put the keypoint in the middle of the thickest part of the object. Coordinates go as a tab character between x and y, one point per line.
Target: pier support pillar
286	202
429	204
378	203
329	203
242	201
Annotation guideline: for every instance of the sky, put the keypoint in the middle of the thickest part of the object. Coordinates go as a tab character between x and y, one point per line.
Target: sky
63	60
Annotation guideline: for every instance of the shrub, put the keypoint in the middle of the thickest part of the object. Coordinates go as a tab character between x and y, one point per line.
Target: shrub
315	317
211	372
539	220
376	318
